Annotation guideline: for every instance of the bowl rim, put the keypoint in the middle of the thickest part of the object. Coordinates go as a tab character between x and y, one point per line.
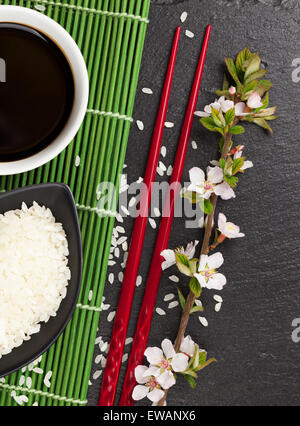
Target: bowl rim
62	328
49	27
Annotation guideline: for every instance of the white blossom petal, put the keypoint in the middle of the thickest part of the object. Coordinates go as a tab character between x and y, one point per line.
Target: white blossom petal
224	191
196	188
197	176
222	221
201	279
170	259
239	109
139	392
190	249
156	395
139	373
154	355
215	174
226	105
203	262
168	348
254	101
247	165
188	346
152	371
217	282
180	363
202	114
215	260
166	380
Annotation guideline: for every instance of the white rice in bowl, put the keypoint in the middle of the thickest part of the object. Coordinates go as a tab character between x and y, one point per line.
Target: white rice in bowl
34	272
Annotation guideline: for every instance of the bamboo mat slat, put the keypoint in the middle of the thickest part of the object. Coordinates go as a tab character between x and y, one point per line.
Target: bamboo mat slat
110	34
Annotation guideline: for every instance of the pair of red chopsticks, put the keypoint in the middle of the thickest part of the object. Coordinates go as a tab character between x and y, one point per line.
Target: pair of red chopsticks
111	375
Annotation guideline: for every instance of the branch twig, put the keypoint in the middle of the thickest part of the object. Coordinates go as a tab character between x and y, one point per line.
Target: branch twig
204	250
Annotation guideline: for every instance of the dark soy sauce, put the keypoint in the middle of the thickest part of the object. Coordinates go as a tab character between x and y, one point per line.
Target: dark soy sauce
36	91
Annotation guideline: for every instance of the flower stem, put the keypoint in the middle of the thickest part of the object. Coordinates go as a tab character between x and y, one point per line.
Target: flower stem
204	251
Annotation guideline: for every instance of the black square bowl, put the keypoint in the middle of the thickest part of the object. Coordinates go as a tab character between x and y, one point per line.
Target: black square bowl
58	197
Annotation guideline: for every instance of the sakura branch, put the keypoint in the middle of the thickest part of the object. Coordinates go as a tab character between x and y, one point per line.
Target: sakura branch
244	98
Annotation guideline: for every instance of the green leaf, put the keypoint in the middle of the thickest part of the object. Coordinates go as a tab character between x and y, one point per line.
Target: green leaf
237	130
230	116
190	372
226	84
209	123
196	309
206	364
271	117
252	66
223	93
191	381
237	165
248	89
266	112
202	357
206	206
263	86
231	180
195	287
222	163
232	70
228	166
242	57
256	76
261	122
183	263
221	143
216	236
181	299
216	115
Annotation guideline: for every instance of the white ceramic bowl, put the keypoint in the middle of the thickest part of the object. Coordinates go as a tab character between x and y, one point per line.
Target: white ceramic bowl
67	45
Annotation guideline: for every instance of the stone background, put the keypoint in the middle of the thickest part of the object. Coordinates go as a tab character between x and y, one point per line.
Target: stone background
258	364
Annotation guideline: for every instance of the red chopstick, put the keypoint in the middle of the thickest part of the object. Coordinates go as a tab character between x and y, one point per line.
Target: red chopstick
114	359
145	316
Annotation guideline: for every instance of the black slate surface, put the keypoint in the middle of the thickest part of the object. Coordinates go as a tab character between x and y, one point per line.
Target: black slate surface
251	336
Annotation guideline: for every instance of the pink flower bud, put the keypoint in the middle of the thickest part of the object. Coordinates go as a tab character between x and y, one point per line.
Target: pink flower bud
232	91
254	101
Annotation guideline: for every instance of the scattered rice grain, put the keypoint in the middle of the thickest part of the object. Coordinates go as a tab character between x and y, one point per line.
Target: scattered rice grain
140	125
160	311
111	316
147	91
203	321
189	34
183	17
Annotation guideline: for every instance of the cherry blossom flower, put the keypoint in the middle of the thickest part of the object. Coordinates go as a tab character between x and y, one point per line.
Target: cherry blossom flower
221	104
228	229
170	257
188	346
208	275
165	360
238	154
148	386
254	101
213	184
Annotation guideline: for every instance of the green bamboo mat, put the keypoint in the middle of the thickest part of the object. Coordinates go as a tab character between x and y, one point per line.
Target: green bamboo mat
110	34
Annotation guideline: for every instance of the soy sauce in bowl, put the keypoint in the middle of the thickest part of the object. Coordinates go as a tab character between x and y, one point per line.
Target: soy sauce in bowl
36	91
